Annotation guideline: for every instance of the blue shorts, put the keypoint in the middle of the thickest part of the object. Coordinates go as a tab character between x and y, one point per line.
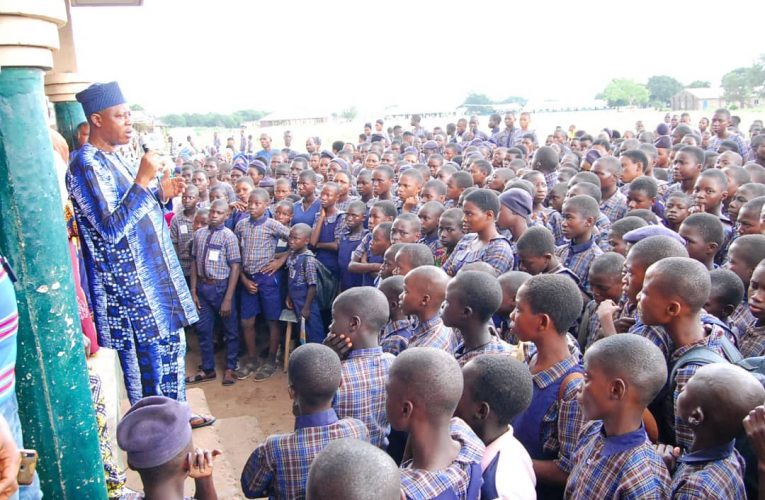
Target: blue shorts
268	300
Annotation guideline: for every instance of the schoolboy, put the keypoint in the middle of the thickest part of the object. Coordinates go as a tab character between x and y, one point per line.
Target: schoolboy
411	256
279	466
472	297
455	186
156	435
424	388
753	340
613	458
261	290
389	262
350	469
579	216
433	190
674	292
536	254
429	215
606	282
408	191
748	221
709	192
546	307
746	252
349	238
744	193
396	333
359	314
282	189
703	235
642	193
634	164
510	282
201	182
369	255
382	180
406	229
499	178
727	298
242	188
484	242
423	294
712	468
218	193
613	202
302	280
619	229
181	232
688	163
677	209
214	274
495	390
450	231
327	228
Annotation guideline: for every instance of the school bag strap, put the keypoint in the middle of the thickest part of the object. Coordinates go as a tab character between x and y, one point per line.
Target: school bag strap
699	355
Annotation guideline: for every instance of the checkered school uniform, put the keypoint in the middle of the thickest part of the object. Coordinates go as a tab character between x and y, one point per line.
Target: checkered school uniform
258	239
342	206
432	333
711	473
181	234
395	336
554	224
362	394
600	232
753	340
615	207
436	248
278	468
740	320
461	478
494	346
551	178
497	253
625	466
591	330
578	258
215	250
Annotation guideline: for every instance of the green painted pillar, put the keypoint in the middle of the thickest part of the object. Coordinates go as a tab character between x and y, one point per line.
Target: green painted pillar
68	116
56	411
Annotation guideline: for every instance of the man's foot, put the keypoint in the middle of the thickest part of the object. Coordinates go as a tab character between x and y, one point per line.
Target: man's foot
201	376
246	368
265	371
228	377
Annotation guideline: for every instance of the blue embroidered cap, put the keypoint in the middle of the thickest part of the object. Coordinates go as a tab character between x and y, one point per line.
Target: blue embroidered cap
100	96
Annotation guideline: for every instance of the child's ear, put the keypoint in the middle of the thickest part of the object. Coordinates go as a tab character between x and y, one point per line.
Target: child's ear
544	321
291	392
407	408
728	309
483	411
425	300
674	308
618	389
696	417
712	248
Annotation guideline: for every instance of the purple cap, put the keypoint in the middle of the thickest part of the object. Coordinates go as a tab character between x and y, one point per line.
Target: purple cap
644	232
592	156
341	162
154	431
430	145
662	129
411	149
517	200
663	142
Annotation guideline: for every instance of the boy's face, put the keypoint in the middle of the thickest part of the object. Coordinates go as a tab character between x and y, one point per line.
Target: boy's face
449	231
453	311
411	298
652	302
607	179
533	264
637	198
328	197
574	225
389	263
281	191
630	169
478	175
200	181
756	293
632	277
306	187
380	183
343	183
200	220
526	324
283	215
187	174
739	199
430	194
403	231
474	219
364	186
375	217
257	206
243	191
408	188
218	194
737	264
218	214
709	194
429	220
748	221
403	264
617	243
595	395
676	211
297	240
354	217
452	190
556	200
379	243
606	287
212	169
443	176
282	172
686	168
189	200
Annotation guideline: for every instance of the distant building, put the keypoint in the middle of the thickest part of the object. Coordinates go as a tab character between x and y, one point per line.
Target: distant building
294	118
698	100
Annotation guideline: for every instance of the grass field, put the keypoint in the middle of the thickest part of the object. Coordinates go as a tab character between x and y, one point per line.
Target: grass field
544	123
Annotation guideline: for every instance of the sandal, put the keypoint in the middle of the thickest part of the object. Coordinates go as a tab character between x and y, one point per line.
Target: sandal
265	371
201	376
198	421
229	378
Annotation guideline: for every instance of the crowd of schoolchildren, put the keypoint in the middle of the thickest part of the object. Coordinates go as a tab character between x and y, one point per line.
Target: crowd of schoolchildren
581	319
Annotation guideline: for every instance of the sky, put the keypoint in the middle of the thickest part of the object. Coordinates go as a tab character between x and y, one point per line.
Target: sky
175	56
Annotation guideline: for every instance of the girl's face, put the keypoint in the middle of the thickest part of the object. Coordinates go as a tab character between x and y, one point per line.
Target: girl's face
474	219
281	191
283	215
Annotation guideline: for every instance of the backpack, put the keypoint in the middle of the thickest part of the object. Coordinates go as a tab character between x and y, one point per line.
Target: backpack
326	284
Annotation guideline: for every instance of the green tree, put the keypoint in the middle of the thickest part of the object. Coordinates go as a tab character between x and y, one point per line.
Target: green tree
136	107
738	85
513	99
624	92
699	84
478	104
662	88
349	113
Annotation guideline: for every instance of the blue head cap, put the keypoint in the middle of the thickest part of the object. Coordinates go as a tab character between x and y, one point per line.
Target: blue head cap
100	96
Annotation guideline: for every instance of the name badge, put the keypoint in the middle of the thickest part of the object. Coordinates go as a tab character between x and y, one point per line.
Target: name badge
213	255
184	229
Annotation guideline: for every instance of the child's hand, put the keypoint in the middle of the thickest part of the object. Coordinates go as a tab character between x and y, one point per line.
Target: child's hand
754	425
272	267
250	285
238	205
696	209
669	454
606	309
624	324
199	463
196	301
409	204
290	305
306	312
225	308
338	343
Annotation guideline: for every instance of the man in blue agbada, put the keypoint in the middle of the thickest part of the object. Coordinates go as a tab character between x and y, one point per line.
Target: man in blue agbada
140	299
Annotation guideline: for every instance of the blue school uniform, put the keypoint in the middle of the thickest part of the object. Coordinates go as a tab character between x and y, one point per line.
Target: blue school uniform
331	228
365	248
305	216
302	273
347	245
235	217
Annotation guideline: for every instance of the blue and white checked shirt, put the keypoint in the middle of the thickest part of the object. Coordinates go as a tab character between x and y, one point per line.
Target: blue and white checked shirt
713	473
395	336
433	333
578	258
215	250
497	253
258	239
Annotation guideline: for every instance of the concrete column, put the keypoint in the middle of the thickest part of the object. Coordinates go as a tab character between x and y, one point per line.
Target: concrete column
56	411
